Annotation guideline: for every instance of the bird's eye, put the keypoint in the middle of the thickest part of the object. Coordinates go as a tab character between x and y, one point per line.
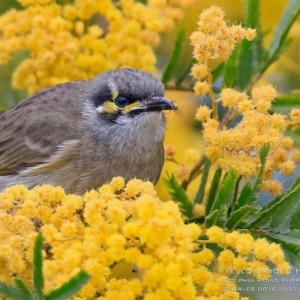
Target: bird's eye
121	101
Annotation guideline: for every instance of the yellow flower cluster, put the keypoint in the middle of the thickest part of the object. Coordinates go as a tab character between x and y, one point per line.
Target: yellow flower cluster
214	40
117	223
242	252
237	148
123	223
80	39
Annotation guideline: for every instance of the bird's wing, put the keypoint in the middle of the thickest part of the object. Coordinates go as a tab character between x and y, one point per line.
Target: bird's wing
34	131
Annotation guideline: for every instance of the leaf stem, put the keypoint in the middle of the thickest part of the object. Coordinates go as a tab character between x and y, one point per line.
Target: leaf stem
196	170
212	97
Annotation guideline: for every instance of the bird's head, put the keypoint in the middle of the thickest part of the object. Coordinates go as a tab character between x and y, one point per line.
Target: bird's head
128	93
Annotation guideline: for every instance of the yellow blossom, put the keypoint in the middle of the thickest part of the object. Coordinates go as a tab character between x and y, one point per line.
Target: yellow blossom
238	147
276	254
259	269
287	142
199	210
240	263
244	244
212	289
201	275
182	173
287	168
203	113
267	93
213	152
284	268
261	249
192	155
274	187
201	88
68	236
214	39
117	183
295	156
231	98
226	259
216	235
295	115
233	148
76	46
204	257
199	71
132	187
169	151
231	295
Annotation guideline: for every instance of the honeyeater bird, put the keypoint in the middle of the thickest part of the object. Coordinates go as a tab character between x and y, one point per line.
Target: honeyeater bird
81	134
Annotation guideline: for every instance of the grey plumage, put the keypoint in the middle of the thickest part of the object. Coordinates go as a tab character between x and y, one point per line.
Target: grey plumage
67	135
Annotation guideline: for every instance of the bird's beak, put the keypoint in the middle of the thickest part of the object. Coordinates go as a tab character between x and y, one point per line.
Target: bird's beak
155	103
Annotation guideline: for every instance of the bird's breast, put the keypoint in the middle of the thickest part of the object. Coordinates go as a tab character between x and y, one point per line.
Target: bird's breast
134	150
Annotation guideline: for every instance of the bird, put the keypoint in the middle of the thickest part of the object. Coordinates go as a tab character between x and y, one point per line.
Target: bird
81	134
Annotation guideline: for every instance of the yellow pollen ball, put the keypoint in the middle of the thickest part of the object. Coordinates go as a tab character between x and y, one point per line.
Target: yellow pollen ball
199	71
203	113
201	88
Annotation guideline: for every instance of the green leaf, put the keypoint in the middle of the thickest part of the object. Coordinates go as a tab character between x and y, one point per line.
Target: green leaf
269	209
238	217
169	71
291	251
252	53
294	233
200	193
178	194
22	287
196	220
279	42
244	197
216	218
218	71
213	190
12	292
70	288
292	258
183	75
284	238
224	198
284	103
263	155
295	220
287	19
249	194
38	279
231	67
287	207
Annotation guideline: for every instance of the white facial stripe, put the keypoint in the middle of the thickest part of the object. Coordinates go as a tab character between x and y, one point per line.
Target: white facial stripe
100	109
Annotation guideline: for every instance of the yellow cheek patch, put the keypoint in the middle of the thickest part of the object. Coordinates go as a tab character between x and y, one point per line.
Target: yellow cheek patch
128	108
110	107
